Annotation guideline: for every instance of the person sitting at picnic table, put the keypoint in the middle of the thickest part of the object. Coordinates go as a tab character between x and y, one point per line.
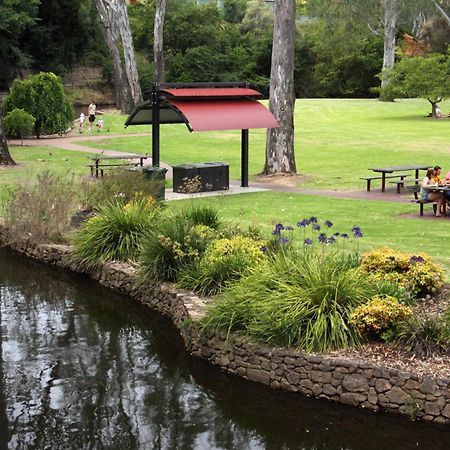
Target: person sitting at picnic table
436	178
428	195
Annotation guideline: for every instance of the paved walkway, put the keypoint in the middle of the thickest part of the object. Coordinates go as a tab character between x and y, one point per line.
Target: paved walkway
70	143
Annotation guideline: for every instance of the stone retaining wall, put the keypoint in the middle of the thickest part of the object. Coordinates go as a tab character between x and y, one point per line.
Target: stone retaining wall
337	379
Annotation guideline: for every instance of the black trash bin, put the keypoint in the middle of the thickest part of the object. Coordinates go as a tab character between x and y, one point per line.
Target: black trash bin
158	175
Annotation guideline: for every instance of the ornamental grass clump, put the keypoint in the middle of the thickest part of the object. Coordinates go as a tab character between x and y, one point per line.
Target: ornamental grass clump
224	261
116	233
424	335
416	273
379	317
296	298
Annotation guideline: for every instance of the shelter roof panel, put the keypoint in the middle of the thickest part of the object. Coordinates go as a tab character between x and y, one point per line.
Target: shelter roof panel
225	114
211	92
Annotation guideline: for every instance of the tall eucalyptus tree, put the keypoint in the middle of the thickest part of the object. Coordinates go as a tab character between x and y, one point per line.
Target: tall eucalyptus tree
158	42
280	156
116	31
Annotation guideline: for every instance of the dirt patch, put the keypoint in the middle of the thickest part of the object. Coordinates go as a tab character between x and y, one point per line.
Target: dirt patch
282	179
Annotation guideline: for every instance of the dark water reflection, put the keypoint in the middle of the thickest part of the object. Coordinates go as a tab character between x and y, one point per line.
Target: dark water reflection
83	368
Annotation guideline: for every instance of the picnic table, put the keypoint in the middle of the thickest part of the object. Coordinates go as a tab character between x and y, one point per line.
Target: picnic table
103	162
391	169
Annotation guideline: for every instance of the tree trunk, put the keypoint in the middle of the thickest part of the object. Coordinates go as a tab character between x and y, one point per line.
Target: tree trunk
158	46
108	11
280	156
5	156
442	13
128	52
390	30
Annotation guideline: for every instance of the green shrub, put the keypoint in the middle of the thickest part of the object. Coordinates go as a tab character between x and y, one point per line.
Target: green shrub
18	123
120	186
40	208
172	244
300	298
224	260
379	316
416	273
42	95
116	233
423	336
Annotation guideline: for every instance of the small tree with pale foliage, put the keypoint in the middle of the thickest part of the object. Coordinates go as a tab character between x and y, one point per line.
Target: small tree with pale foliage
19	123
421	76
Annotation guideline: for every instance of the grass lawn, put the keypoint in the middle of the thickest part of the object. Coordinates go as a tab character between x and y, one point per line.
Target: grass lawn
382	223
336	141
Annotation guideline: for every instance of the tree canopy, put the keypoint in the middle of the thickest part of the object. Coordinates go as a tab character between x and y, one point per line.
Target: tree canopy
427	77
43	97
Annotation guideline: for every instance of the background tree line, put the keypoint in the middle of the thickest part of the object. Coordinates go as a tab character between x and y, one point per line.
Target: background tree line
339	45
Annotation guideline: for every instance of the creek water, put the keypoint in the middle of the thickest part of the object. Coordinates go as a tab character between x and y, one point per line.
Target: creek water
84	368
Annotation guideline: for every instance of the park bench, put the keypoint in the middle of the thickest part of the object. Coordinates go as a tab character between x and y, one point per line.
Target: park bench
401	178
96	168
422	202
403	183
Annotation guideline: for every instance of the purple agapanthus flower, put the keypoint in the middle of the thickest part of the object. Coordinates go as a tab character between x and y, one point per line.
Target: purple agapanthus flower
322	238
288	228
356	232
331	240
344	236
316	227
303	223
283	240
279	227
313	219
308	242
328	224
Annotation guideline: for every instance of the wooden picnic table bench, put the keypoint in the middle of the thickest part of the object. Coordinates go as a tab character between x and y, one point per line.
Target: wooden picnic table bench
408	182
380	177
386	172
106	162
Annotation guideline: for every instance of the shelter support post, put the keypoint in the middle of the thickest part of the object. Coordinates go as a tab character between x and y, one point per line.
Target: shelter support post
155	127
244	158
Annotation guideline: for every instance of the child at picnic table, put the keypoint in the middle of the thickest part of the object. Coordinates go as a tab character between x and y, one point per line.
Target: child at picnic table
436	178
428	195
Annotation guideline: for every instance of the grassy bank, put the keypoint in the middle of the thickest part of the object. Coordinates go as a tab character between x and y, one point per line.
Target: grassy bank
336	141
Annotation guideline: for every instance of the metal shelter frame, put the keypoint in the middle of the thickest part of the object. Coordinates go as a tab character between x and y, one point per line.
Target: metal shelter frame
203	107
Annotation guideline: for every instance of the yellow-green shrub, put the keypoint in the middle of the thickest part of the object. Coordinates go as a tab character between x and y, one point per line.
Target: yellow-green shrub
379	315
415	272
224	260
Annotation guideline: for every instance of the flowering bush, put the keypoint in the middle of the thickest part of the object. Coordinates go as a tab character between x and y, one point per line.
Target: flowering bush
416	273
224	260
311	232
379	316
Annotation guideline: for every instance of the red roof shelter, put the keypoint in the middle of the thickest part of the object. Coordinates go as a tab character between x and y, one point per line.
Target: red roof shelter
204	107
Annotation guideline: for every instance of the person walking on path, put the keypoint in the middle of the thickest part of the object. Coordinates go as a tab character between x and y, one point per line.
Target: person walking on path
92	109
82	117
